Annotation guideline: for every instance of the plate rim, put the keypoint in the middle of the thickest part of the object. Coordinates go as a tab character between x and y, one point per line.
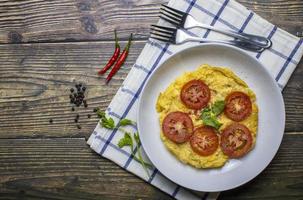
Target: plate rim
204	45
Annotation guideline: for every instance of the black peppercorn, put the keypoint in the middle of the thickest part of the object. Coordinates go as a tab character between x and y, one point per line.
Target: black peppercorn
88	115
83	88
50	121
96	109
73	108
78	126
72	90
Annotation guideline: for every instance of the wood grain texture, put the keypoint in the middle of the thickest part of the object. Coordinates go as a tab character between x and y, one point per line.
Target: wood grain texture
68	169
35	80
293	99
64	169
283	178
83	20
285	14
70	20
66	41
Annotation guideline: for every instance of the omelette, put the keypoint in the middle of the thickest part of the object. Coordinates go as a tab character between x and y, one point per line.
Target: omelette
187	131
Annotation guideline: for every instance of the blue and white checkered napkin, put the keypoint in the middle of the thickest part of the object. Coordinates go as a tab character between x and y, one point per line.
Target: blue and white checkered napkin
281	60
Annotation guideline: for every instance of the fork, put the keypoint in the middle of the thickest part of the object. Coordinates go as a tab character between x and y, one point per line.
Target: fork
186	21
179	36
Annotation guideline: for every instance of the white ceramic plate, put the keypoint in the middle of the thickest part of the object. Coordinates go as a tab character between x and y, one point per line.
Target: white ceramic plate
236	171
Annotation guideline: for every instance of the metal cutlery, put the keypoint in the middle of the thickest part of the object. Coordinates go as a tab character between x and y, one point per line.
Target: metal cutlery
184	20
179	36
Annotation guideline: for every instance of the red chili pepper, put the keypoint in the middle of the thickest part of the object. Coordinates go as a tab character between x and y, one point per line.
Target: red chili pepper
113	58
120	60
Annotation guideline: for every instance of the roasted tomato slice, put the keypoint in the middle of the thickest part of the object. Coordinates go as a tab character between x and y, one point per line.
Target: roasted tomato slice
178	127
236	140
195	94
237	106
204	141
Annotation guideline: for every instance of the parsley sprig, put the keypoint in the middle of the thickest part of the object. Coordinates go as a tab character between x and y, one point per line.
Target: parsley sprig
128	140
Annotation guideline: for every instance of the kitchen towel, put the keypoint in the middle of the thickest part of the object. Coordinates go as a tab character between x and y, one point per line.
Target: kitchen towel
281	60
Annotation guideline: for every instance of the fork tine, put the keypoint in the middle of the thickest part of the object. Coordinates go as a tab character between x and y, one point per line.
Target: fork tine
161	31
179	20
172	13
169	37
169	20
163	39
174	10
170	29
158	38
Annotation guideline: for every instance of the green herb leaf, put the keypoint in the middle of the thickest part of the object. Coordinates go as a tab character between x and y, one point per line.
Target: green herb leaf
209	118
128	141
125	141
125	122
213	122
100	114
218	107
108	122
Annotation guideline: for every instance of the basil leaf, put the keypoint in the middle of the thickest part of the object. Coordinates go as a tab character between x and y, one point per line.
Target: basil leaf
206	113
218	107
209	119
213	122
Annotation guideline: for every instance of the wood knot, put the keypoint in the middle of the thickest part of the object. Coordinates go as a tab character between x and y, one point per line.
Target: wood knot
15	37
89	24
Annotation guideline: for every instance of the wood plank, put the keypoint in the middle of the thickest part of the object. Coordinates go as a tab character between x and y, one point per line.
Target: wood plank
35	80
285	14
83	20
69	20
293	99
283	178
66	168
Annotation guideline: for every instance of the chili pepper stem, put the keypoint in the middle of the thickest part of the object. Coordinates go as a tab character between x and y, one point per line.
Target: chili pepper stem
116	40
129	43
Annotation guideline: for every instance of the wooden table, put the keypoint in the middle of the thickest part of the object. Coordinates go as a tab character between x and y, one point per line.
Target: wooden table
48	46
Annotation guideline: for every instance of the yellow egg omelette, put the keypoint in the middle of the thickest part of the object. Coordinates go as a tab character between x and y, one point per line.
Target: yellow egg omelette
221	82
